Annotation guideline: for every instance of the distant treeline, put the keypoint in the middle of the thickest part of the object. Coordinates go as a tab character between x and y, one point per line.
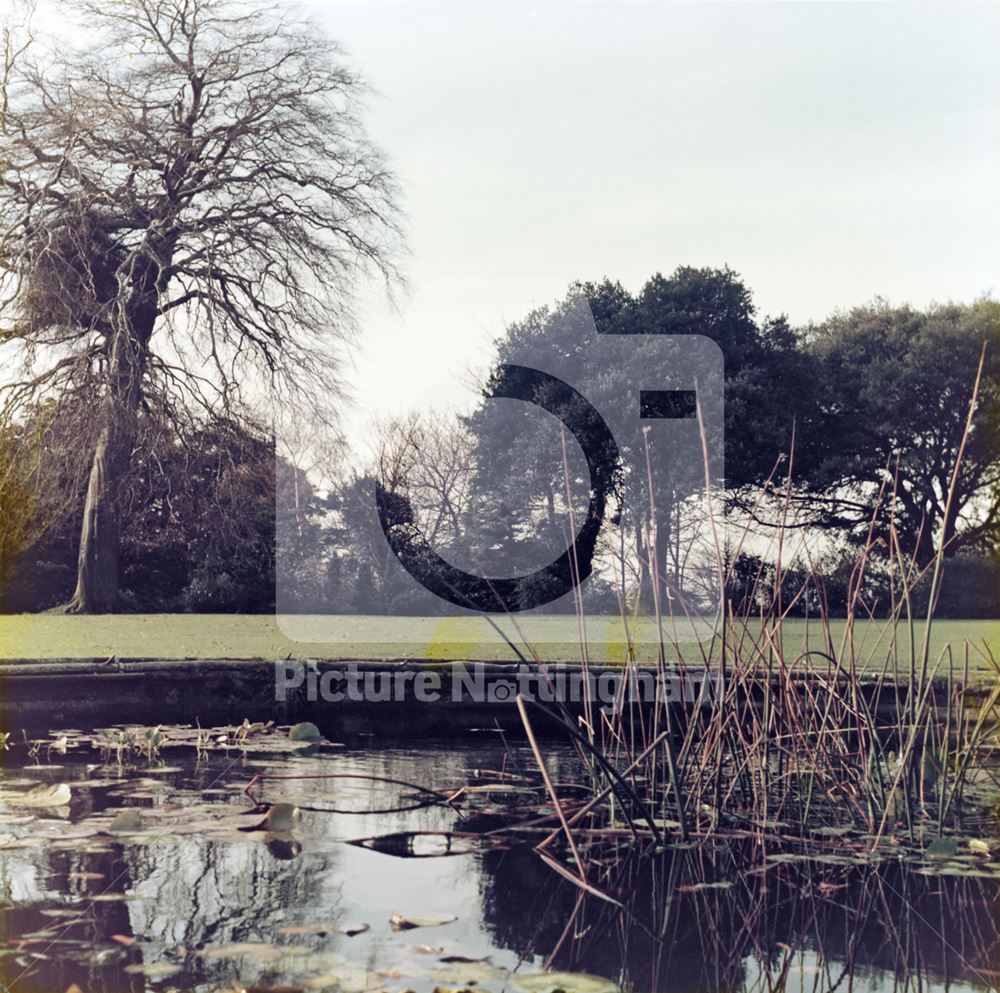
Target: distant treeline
878	397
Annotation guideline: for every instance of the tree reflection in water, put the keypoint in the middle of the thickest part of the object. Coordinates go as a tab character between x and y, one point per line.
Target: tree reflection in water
758	924
760	929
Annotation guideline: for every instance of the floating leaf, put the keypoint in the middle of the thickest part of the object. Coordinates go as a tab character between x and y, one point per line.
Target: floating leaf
280	818
259	950
352	929
943	847
153	970
462	958
570	982
834	830
304	731
401	923
126	821
321	928
45	796
979	845
257	988
322	982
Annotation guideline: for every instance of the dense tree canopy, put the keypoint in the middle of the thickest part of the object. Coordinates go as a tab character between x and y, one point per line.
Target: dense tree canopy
761	383
894	386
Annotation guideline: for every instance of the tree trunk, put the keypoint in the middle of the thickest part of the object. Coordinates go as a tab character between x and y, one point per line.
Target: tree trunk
97	590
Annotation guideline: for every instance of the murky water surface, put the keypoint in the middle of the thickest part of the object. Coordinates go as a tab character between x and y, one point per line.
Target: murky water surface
188	898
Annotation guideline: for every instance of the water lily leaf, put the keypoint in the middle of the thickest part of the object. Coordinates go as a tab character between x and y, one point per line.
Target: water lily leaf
462	958
570	982
257	988
943	847
979	845
259	950
153	970
323	982
352	929
57	795
304	731
720	885
323	927
126	821
281	817
401	923
834	830
477	974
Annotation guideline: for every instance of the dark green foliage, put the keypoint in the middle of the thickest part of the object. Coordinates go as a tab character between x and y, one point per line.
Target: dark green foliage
199	532
894	386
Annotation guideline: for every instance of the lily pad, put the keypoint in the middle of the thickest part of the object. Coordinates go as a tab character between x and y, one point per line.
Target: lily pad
570	982
321	928
258	950
127	821
304	731
834	830
943	847
153	970
57	795
401	923
281	817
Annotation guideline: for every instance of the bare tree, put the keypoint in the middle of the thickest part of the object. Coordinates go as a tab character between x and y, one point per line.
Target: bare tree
185	219
430	459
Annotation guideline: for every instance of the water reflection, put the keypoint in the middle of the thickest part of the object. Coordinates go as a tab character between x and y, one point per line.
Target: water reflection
700	918
704	919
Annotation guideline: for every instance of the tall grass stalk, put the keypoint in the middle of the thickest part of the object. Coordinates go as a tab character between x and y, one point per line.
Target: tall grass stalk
822	740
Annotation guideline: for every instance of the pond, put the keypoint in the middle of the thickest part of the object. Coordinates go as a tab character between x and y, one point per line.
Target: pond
198	893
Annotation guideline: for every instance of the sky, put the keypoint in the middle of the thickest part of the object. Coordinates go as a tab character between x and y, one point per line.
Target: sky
828	153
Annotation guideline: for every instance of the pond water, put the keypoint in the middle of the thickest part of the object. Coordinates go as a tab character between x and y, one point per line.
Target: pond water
194	902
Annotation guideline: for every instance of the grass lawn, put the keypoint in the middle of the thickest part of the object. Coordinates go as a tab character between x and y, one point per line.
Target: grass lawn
172	636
